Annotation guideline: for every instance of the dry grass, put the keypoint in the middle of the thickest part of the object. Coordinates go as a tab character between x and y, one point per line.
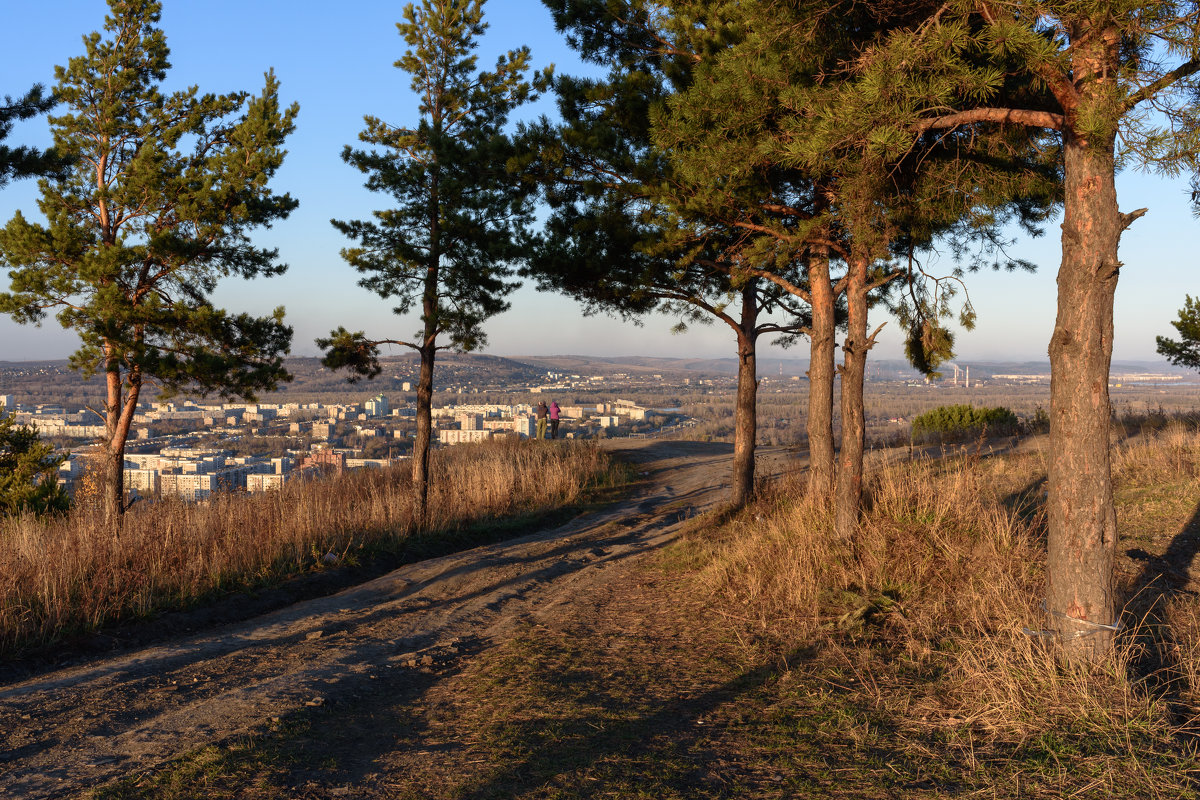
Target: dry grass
775	663
928	615
65	576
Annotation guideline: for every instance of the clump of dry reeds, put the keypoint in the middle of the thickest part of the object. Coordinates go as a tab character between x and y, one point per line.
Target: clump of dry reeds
72	574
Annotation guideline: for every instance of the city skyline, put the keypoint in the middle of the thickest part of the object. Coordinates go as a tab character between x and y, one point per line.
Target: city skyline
340	67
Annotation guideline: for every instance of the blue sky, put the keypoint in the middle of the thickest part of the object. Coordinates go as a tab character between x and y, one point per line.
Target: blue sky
336	61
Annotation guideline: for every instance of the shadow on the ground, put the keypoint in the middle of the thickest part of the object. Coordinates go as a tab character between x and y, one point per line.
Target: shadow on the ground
1161	579
608	744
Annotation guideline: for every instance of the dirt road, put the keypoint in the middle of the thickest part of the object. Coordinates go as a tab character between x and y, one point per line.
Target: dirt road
81	727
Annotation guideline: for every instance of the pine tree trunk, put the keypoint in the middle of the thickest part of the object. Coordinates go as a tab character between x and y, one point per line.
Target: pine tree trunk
423	443
746	412
114	480
428	350
119	409
850	462
821	371
1082	522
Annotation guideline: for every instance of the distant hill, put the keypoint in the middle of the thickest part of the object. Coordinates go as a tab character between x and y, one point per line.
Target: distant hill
54	381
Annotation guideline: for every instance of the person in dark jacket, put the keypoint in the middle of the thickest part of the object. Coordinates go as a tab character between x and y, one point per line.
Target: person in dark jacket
542	413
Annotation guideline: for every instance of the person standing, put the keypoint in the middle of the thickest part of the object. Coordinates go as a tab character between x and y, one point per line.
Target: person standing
542	413
554	414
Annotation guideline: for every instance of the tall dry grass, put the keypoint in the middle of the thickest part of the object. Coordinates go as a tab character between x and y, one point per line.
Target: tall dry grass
936	606
68	575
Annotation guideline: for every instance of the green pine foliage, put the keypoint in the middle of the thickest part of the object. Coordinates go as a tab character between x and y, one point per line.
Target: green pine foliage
28	471
157	206
23	161
448	245
963	421
1186	351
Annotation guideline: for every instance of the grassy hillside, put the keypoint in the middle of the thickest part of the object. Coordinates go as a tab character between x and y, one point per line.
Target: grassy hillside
759	658
65	576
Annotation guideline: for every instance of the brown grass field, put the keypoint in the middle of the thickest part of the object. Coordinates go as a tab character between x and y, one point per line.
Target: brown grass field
757	658
62	577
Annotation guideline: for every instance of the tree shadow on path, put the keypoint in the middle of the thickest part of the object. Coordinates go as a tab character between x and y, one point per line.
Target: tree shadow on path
1147	596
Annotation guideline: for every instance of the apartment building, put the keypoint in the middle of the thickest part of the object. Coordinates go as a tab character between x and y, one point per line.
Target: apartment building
268	481
377	406
449	437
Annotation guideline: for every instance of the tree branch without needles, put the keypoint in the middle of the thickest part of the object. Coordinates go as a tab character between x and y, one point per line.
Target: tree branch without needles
1017	116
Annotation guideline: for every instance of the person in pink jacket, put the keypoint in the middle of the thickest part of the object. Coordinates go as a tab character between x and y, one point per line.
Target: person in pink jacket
554	415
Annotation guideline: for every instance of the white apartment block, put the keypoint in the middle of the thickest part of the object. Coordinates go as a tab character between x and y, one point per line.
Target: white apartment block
377	406
369	463
525	426
60	427
268	481
460	437
7	402
143	480
191	486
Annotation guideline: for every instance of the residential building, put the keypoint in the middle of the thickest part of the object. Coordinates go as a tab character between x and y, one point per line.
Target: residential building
325	459
525	425
268	481
377	406
460	437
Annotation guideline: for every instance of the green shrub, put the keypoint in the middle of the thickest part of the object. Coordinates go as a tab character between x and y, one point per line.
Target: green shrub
949	423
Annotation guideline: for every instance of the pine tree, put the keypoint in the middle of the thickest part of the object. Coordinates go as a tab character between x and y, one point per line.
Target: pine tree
618	239
1186	351
737	82
28	471
449	245
162	192
1114	82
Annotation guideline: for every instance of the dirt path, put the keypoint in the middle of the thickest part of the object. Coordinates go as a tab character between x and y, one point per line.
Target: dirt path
84	726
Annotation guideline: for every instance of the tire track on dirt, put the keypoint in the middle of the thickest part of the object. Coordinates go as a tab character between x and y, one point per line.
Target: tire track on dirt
84	726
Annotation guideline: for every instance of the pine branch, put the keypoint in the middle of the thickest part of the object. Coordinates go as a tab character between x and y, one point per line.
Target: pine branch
1150	90
1016	116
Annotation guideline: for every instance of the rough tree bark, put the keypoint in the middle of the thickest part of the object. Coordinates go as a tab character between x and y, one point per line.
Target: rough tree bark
422	444
745	414
1082	546
853	370
119	408
1082	521
821	371
428	352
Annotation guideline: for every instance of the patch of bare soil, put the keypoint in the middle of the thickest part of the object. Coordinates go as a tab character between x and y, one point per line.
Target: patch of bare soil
373	666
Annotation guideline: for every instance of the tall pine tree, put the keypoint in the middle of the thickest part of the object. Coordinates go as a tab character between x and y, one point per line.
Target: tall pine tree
1115	83
448	246
617	238
157	206
723	85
